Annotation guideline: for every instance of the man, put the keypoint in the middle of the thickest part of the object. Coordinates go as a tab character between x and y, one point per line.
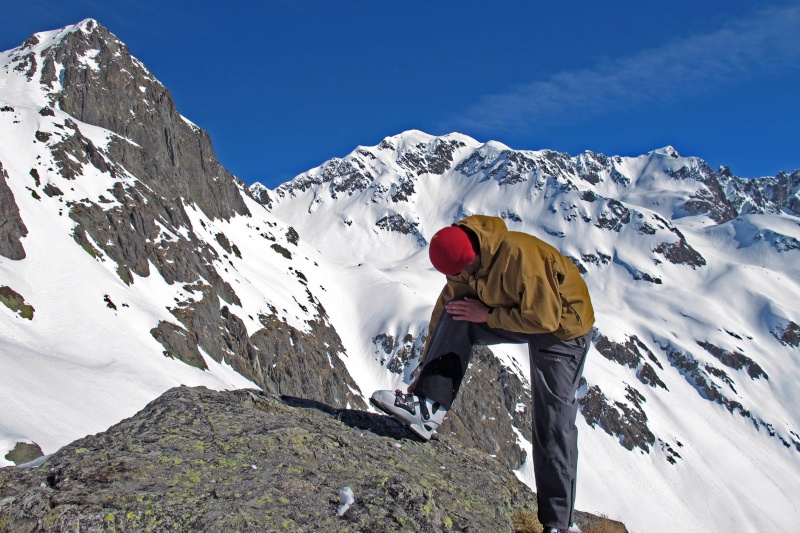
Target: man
507	287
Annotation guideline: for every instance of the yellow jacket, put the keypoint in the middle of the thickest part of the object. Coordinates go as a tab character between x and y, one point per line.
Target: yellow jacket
527	284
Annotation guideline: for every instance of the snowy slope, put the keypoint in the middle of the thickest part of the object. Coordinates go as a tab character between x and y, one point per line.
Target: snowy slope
701	305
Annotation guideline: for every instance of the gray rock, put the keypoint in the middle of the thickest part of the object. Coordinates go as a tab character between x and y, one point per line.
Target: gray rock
12	229
788	335
201	460
398	224
630	354
307	365
735	360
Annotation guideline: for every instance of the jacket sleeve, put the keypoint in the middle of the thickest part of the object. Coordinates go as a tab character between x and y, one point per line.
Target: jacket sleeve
539	307
455	288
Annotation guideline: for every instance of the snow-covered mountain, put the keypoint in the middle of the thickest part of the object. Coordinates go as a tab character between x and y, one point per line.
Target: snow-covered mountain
690	415
131	261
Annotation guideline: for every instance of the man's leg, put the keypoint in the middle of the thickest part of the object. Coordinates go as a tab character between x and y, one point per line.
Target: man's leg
556	368
424	407
450	353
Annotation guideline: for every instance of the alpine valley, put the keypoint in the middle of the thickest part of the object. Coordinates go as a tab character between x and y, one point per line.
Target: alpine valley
132	262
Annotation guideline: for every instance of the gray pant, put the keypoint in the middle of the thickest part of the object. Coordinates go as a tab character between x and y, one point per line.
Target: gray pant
556	368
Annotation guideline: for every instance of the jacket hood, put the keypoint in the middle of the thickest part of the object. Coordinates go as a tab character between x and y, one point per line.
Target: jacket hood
491	231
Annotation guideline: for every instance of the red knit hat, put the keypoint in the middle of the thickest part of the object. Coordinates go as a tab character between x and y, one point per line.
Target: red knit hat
451	250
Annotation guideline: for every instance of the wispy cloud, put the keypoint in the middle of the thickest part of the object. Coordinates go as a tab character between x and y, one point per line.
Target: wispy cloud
741	49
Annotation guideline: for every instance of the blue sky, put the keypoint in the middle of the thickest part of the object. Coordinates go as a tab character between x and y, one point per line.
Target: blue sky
283	85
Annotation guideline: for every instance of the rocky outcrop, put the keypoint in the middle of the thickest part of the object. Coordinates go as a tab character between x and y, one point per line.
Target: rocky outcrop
435	158
725	196
681	252
788	335
631	354
304	364
627	421
398	224
615	217
12	229
735	360
161	166
699	376
762	195
702	378
16	302
200	460
398	355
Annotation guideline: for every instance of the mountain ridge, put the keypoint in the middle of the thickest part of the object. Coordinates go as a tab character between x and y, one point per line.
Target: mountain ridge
652	234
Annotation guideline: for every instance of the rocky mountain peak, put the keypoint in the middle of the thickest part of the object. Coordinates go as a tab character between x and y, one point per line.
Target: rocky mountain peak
87	73
668	151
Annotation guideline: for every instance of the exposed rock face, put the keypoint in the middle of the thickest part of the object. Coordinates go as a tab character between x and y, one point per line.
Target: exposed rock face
397	356
434	159
627	421
788	335
11	226
679	253
701	377
305	365
615	217
735	360
399	224
260	194
762	195
170	155
630	354
726	196
508	168
246	461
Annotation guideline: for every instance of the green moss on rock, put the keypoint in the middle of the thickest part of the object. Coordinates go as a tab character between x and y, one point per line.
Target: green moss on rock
14	301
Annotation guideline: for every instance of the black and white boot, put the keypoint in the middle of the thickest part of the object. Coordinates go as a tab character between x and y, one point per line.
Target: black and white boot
422	415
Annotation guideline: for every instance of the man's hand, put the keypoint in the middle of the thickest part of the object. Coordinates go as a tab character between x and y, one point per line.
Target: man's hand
469	310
